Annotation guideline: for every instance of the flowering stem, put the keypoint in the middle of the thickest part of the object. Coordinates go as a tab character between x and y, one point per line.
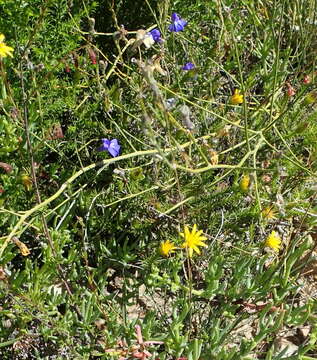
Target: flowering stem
255	177
206	110
190	283
245	109
288	158
277	60
118	58
65	185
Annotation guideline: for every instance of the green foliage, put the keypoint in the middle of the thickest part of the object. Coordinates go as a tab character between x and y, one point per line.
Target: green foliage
80	266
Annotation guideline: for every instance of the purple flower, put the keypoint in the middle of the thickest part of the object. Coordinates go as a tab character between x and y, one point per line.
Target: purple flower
112	146
178	23
156	35
188	66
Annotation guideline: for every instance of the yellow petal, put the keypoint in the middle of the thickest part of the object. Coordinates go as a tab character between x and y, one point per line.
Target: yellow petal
200	243
196	249
187	232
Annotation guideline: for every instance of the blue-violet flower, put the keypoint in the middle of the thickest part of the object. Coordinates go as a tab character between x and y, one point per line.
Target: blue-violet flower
112	146
156	35
188	66
178	23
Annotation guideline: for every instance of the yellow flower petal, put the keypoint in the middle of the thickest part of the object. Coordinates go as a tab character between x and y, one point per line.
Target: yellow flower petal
196	249
200	243
4	49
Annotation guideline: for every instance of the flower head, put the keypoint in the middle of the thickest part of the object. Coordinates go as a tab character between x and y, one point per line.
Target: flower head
273	241
244	183
188	66
268	213
27	182
146	38
192	240
112	146
177	24
156	35
166	248
236	98
4	49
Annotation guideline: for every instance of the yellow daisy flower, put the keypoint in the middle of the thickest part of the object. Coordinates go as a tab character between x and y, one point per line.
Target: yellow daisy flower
193	240
236	98
166	248
273	241
4	49
268	213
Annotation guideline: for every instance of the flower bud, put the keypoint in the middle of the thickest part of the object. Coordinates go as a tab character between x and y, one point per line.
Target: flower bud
25	251
307	80
27	182
244	183
92	56
290	90
6	167
91	22
103	66
236	98
214	157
